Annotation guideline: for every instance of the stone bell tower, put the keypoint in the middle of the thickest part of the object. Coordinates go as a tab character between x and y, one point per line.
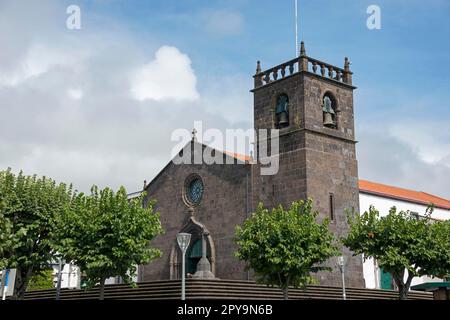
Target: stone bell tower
311	103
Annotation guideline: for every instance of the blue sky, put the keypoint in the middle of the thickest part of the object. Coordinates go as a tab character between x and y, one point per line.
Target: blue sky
407	59
411	42
402	73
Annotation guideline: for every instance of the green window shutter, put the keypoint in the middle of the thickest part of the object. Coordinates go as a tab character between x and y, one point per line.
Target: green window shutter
385	280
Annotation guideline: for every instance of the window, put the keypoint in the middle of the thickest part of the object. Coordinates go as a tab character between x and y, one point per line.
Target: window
331	199
193	190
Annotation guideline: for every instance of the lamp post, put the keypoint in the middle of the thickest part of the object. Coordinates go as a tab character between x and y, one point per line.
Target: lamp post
341	265
58	284
183	240
3	285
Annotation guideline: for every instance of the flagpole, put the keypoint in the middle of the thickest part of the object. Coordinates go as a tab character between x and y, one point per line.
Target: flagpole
296	28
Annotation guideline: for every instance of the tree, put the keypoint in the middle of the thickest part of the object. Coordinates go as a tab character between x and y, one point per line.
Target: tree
5	238
436	260
284	247
107	235
42	281
28	207
401	242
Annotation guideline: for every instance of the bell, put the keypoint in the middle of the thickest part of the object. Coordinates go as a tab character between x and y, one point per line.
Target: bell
328	122
283	119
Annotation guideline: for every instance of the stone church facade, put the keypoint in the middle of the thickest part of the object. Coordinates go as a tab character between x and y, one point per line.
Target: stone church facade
310	102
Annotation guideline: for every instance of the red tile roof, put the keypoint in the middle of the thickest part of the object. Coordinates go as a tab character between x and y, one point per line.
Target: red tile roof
238	156
419	197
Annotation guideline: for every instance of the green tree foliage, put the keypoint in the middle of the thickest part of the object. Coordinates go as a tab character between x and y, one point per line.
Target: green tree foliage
42	281
6	236
28	207
436	261
402	244
284	247
107	235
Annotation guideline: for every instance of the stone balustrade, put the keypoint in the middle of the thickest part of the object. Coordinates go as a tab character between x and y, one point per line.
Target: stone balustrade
276	73
303	64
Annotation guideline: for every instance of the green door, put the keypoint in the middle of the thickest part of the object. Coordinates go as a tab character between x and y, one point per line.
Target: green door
193	256
385	280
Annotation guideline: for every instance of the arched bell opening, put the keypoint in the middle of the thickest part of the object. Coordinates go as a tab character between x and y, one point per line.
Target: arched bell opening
329	111
282	111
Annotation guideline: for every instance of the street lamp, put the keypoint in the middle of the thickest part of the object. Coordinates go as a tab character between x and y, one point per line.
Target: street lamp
183	240
58	283
341	265
4	284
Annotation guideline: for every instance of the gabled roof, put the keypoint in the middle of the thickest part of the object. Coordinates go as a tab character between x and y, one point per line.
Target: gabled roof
418	197
239	157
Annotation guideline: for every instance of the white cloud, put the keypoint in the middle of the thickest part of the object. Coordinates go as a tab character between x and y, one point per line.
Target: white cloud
430	139
386	156
75	93
403	141
38	61
70	112
169	76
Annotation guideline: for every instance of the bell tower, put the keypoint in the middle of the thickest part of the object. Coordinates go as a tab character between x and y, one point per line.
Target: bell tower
310	102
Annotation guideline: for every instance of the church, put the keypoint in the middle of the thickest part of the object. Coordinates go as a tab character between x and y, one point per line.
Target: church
310	102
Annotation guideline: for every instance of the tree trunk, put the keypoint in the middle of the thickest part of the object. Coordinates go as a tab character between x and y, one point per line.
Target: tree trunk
286	293
102	289
402	292
407	285
403	287
284	285
22	279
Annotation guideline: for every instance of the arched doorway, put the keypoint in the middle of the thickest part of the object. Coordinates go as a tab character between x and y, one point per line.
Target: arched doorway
194	254
194	251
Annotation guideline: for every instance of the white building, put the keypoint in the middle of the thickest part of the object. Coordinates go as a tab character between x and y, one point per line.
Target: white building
384	197
70	275
72	278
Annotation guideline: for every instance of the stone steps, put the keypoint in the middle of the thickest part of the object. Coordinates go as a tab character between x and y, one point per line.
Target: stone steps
218	289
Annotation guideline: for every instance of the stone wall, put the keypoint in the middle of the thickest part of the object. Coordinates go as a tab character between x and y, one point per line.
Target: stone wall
223	206
331	167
